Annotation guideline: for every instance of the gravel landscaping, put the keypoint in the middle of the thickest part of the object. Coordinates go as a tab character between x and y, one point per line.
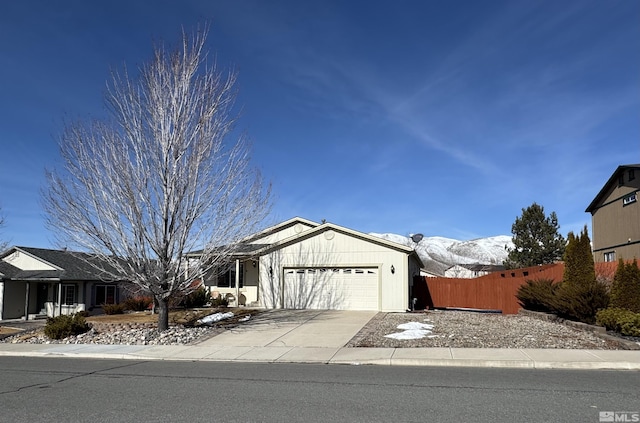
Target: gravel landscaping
461	329
455	329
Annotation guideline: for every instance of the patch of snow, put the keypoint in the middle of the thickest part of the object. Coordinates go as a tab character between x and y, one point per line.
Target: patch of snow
413	330
213	318
415	325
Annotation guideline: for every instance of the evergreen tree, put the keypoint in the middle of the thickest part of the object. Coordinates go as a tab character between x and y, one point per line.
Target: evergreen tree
625	290
580	294
536	239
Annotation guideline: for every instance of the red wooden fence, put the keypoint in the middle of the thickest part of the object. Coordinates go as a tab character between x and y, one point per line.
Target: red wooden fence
495	291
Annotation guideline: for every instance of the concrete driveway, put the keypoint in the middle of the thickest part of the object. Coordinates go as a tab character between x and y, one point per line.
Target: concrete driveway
295	328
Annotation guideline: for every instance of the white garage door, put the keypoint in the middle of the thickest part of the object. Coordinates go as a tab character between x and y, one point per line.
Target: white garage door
331	288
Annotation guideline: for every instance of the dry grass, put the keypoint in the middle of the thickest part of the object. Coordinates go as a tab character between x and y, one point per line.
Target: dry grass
8	331
176	317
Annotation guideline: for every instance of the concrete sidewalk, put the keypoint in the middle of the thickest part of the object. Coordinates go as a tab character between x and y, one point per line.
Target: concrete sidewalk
469	357
308	336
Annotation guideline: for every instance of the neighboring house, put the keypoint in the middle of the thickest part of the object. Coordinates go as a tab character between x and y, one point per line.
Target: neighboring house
36	282
303	264
429	273
615	216
471	270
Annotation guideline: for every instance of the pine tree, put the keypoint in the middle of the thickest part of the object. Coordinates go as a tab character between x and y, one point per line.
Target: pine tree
580	294
625	290
536	239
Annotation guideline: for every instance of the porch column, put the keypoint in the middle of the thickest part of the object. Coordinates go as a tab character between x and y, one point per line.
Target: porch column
26	301
59	300
237	282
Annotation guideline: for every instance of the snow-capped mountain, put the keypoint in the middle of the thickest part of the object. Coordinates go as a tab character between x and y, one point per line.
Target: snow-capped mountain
438	253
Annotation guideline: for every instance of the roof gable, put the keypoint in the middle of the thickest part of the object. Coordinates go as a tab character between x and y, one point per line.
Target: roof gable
57	264
281	231
613	180
332	227
23	259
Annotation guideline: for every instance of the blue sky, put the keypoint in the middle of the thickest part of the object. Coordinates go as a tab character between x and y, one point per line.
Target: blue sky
440	117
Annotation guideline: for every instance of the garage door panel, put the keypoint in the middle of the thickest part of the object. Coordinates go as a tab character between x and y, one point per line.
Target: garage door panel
335	288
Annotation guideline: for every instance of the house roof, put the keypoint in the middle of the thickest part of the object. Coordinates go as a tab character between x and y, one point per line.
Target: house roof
330	226
605	189
280	226
246	249
7	270
69	265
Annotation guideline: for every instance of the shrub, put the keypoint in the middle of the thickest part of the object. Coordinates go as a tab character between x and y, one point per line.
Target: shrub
64	326
625	290
620	320
113	308
537	295
139	303
580	295
581	302
198	298
220	302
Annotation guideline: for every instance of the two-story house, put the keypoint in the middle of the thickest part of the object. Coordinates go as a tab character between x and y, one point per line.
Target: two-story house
615	216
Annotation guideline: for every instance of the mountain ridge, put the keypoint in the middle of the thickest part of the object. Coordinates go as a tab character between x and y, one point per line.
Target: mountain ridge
439	253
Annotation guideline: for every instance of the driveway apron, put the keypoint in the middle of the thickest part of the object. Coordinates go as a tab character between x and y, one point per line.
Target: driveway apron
294	328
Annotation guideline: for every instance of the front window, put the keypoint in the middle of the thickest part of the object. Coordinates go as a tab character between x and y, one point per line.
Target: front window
105	294
69	294
228	278
610	256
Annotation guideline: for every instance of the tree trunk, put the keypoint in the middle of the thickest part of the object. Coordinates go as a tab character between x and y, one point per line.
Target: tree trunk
163	314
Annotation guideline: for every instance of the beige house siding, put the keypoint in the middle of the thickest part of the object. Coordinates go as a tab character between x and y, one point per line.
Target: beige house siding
616	225
330	249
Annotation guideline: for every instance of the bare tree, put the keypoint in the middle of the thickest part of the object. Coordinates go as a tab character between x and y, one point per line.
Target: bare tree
158	178
3	244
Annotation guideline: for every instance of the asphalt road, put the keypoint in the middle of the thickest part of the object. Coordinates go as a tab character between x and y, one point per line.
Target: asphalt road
82	390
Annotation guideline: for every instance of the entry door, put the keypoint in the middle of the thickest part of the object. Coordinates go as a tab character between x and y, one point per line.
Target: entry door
42	297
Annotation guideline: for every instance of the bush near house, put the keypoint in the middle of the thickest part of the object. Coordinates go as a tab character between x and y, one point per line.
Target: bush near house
620	320
63	326
625	290
113	308
139	303
623	314
580	295
198	298
220	302
537	295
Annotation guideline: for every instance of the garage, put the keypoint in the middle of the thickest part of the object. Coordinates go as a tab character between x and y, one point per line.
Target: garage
337	288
